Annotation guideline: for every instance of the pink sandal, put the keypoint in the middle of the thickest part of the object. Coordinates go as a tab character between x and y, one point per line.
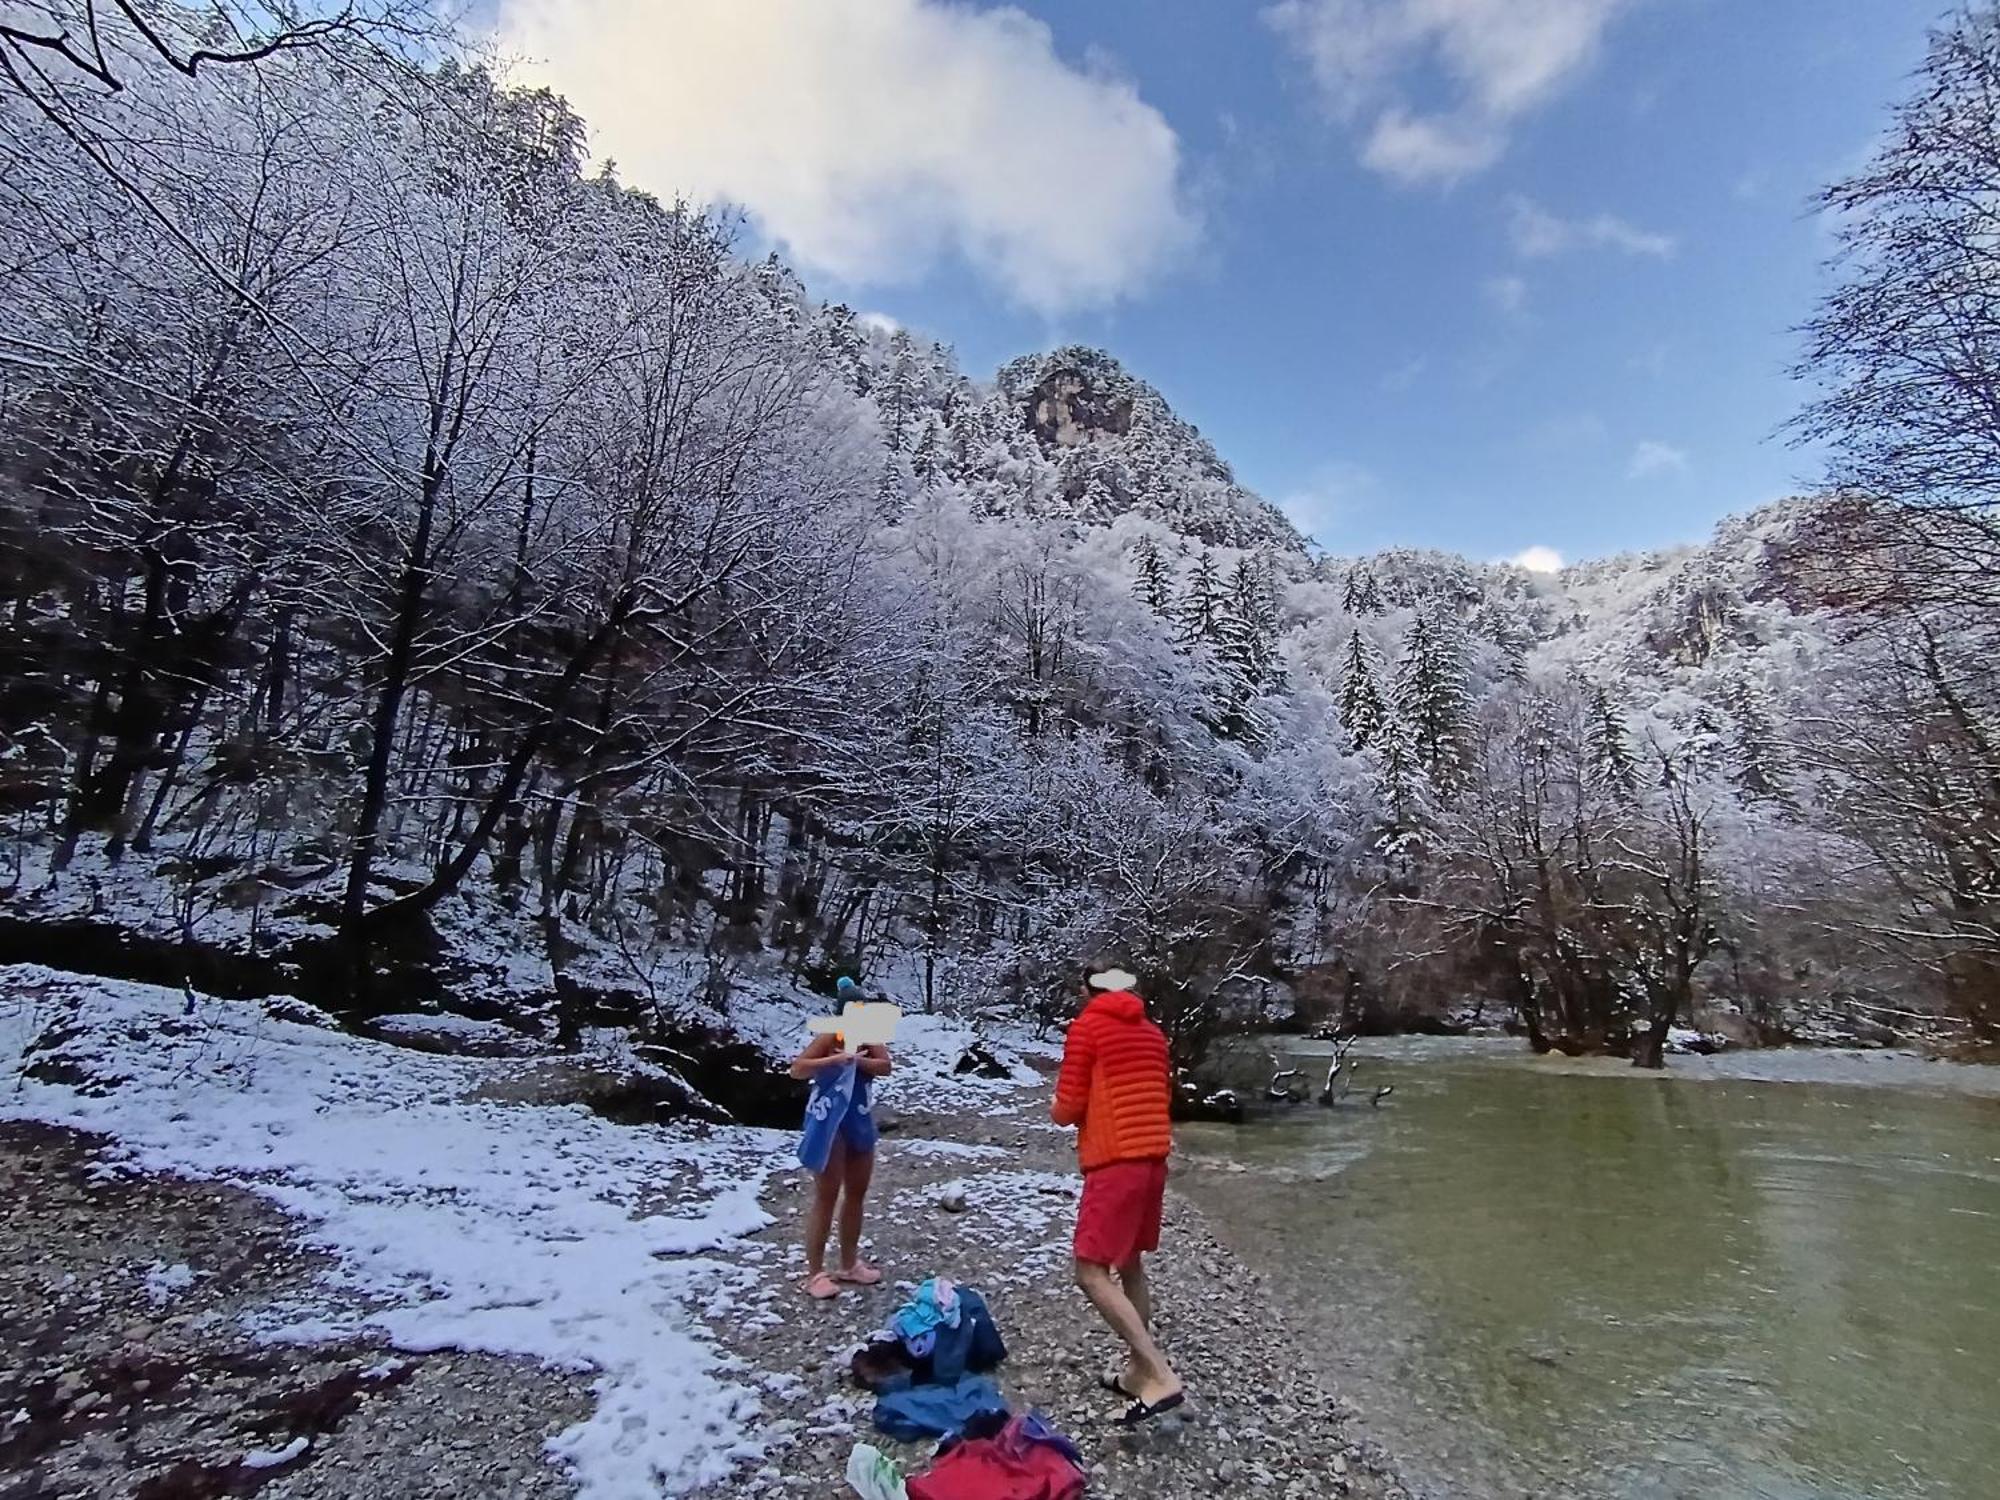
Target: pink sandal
821	1286
859	1274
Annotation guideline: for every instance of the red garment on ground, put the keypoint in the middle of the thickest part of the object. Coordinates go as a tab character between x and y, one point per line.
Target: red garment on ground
1119	1217
999	1468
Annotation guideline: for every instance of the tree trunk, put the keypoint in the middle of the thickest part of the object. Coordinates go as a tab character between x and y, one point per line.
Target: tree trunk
447	879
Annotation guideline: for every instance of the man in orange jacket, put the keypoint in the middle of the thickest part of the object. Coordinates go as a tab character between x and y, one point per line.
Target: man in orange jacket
1115	1086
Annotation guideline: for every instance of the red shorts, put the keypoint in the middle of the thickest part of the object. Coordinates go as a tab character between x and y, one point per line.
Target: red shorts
1119	1217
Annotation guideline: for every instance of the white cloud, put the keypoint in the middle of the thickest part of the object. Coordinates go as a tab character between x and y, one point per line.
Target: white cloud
1501	60
1538	559
871	137
1538	234
879	322
1418	149
1652	459
1508	293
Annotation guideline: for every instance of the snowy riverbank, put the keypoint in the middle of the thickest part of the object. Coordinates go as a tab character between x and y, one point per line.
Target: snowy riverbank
628	1293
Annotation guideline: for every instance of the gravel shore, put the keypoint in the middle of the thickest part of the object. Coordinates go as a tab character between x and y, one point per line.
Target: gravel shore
126	1369
1258	1421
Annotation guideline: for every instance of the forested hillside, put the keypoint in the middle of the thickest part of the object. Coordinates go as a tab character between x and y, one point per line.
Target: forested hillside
436	572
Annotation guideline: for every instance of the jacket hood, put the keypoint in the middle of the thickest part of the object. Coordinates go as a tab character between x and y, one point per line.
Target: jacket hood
1117	1005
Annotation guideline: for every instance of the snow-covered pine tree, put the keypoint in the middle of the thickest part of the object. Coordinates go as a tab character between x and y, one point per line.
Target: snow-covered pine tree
1400	768
969	430
1362	708
1153	585
1245	629
1495	621
927	460
1201	604
1433	695
1361	596
1539	731
846	345
1704	749
898	395
1244	649
890	496
1612	760
1755	753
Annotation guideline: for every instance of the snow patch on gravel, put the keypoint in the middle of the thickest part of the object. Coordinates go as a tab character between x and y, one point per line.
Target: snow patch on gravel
163	1282
451	1222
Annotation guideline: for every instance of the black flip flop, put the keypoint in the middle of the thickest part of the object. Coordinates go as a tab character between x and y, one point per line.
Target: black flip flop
1116	1386
1140	1411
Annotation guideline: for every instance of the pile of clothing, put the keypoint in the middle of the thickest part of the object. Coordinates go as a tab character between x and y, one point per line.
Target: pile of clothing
925	1367
927	1370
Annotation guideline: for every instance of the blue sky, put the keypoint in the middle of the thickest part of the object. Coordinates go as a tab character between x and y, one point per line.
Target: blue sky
1473	274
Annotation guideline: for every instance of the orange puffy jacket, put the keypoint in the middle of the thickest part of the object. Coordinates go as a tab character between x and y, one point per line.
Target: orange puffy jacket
1115	1083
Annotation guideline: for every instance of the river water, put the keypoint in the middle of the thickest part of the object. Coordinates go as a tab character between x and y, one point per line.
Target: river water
1774	1276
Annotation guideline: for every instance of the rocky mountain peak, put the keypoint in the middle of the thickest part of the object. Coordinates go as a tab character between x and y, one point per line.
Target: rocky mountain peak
1122	448
1066	410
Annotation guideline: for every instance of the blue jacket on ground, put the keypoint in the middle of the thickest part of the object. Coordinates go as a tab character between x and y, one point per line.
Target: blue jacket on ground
936	1411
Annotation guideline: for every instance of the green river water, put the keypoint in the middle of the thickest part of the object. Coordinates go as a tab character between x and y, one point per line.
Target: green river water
1567	1280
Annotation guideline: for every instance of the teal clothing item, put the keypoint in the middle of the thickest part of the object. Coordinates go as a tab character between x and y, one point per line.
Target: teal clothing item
932	1303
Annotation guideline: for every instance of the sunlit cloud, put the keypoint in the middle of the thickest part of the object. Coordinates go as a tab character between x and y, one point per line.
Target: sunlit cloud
871	138
1538	234
1538	559
1652	459
1500	60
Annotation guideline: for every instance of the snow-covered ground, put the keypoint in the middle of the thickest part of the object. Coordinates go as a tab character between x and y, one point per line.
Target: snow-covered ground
454	1221
927	1048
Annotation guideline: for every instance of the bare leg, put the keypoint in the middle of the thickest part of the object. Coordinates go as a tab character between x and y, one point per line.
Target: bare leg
819	1214
1152	1378
1137	1292
859	1168
1133	1279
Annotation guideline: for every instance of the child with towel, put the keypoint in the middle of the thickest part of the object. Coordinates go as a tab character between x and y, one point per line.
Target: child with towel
838	1147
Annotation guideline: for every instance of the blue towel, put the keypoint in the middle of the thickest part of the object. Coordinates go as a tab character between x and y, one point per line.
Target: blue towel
935	1411
838	1106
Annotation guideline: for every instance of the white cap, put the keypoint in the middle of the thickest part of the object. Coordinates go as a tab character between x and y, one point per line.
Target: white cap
1113	979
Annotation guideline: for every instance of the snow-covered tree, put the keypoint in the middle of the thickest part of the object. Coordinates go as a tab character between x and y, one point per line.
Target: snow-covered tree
1200	605
899	395
1359	595
1433	697
1758	759
1153	581
1612	760
1363	710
